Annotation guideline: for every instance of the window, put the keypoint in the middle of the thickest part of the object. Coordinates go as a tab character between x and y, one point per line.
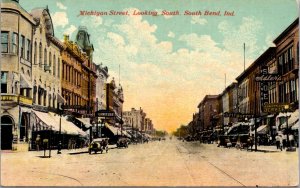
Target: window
34	55
4	42
45	58
58	68
3	82
54	66
40	56
22	46
50	60
28	49
14	42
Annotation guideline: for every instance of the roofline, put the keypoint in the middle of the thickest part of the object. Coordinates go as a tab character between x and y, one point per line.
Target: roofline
289	28
255	63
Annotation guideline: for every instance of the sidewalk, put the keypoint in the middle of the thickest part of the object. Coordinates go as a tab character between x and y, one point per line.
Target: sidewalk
53	151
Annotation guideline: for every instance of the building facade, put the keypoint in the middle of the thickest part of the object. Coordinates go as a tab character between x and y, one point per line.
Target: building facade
207	111
17	31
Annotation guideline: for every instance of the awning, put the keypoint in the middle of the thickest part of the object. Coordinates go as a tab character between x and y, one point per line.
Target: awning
60	99
24	82
53	121
85	121
294	117
283	114
262	129
114	130
296	126
47	119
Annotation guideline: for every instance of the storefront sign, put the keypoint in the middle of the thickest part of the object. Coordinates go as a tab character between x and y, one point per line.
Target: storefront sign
238	115
104	113
268	78
275	107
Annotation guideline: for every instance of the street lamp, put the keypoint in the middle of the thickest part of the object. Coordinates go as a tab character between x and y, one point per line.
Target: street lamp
288	147
59	145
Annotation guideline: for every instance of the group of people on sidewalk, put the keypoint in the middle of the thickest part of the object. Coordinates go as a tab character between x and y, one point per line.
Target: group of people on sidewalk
282	142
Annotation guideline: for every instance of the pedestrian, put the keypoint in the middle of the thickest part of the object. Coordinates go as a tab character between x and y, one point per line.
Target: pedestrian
281	142
277	139
270	140
284	143
38	142
292	140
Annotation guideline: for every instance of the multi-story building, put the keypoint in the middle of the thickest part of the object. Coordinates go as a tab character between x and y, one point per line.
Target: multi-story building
73	81
114	102
135	119
17	36
229	103
88	69
287	56
102	76
208	109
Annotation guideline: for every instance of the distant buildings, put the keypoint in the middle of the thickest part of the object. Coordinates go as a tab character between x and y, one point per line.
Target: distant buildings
248	97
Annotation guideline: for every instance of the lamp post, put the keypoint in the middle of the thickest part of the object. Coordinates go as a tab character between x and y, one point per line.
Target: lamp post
59	145
286	107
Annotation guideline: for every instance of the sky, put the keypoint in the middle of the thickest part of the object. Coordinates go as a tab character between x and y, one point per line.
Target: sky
168	63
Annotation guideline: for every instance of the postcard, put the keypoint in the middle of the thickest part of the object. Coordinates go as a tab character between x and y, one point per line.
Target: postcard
149	93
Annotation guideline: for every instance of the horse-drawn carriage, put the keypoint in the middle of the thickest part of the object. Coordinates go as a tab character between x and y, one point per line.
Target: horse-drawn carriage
98	144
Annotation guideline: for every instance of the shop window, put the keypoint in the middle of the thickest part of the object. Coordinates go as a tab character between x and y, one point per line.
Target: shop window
14	42
4	42
3	82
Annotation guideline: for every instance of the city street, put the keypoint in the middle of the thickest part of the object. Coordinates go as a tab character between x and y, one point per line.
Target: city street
164	163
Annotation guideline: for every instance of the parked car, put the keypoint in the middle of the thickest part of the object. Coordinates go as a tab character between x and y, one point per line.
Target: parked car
98	144
122	142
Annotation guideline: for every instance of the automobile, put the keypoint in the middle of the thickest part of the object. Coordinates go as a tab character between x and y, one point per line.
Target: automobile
122	142
98	144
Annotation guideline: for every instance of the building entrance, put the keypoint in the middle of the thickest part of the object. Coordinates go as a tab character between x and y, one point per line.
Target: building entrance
6	133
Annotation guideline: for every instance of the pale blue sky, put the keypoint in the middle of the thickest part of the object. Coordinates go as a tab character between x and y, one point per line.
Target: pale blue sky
168	64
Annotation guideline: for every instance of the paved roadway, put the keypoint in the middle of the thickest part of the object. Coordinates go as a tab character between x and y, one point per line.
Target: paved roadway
164	163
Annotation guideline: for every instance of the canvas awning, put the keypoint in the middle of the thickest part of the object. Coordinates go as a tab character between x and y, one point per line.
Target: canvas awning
294	117
53	121
262	129
114	130
24	82
47	119
85	121
296	126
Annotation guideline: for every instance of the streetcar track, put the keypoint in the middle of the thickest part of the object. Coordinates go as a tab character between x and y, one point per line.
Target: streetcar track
59	175
219	169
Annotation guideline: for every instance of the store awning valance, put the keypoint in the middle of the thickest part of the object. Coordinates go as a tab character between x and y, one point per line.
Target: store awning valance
85	121
24	82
